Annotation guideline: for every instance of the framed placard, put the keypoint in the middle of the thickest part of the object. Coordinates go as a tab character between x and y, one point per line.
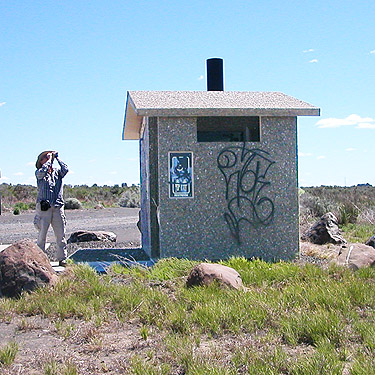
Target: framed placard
180	174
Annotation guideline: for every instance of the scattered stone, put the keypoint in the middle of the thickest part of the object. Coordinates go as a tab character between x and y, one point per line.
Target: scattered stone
24	267
371	242
205	273
139	221
324	231
355	256
88	236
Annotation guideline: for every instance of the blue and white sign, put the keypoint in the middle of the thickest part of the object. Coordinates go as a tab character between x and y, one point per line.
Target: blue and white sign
180	174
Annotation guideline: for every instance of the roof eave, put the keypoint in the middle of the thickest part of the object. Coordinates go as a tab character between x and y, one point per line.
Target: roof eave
195	112
132	122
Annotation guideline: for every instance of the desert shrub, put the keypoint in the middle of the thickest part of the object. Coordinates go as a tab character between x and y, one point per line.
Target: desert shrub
348	213
366	216
316	206
130	198
32	205
72	204
22	206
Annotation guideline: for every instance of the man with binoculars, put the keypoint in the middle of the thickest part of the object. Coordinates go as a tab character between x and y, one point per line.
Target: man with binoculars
50	203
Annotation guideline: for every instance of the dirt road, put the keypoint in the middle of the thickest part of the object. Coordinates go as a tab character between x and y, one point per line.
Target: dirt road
122	221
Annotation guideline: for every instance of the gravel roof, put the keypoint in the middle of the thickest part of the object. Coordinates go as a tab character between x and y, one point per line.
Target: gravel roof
209	103
146	101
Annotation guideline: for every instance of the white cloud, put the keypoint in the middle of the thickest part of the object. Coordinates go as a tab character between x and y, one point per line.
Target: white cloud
200	78
2	103
349	149
372	52
321	157
361	122
313	61
366	125
302	154
92	161
113	172
18	174
4	178
308	50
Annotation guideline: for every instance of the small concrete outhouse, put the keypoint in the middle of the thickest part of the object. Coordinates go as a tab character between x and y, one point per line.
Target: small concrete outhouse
218	172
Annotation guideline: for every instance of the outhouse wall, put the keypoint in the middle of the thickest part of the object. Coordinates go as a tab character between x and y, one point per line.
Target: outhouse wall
245	199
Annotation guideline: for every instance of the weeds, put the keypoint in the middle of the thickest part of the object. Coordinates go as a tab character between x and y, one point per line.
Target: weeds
325	361
144	332
285	307
52	367
144	367
8	353
358	232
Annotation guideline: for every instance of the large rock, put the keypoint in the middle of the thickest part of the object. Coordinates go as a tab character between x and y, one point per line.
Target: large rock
87	236
324	231
206	273
371	242
355	256
24	267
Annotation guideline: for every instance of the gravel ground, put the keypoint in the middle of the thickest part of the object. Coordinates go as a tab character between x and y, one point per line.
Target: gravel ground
121	221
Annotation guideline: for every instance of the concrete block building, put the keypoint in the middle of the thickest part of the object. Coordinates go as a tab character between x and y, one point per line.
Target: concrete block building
218	172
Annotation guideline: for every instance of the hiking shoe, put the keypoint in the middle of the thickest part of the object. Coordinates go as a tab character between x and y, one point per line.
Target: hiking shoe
62	263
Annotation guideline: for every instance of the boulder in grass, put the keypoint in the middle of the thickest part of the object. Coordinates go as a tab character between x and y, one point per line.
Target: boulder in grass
326	230
355	256
24	267
88	236
205	273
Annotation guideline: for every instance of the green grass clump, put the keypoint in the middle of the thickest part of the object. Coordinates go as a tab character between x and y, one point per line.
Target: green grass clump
358	232
52	367
163	270
8	353
326	360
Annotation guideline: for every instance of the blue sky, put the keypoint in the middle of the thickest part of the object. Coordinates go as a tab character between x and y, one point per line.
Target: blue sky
66	66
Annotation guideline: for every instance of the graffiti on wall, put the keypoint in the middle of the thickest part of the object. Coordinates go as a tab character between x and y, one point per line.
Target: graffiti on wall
245	172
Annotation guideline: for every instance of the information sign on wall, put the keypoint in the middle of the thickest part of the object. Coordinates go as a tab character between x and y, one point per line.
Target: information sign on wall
180	174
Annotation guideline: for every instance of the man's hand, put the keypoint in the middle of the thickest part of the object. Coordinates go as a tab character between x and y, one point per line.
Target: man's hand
55	154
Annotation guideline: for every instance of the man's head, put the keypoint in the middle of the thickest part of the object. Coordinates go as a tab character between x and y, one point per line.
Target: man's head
42	158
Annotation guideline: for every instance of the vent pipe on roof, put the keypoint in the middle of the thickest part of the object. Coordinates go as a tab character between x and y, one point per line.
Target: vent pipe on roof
215	81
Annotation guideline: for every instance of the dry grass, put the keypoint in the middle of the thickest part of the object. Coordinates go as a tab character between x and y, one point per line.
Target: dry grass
293	319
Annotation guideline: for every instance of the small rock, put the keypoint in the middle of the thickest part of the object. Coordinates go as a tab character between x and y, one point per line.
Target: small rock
88	236
326	230
371	242
355	256
205	273
24	267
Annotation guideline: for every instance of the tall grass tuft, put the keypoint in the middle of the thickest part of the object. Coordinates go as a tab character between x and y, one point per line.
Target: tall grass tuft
8	353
